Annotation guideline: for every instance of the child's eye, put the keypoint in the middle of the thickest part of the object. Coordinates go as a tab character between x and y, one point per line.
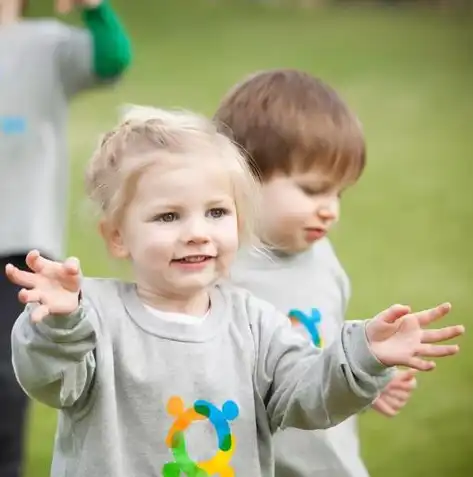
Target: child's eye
166	217
311	190
217	212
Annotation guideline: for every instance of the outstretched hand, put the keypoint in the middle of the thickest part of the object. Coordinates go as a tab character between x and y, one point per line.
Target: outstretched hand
55	286
397	337
396	394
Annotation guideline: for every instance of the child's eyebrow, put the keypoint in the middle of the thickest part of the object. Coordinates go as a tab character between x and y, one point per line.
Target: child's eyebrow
224	199
163	204
321	184
175	206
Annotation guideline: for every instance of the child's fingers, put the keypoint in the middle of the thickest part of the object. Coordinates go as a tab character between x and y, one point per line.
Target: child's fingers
29	296
428	316
442	334
72	266
71	274
384	408
404	379
39	313
394	402
420	364
36	262
403	385
407	374
393	313
31	260
20	277
401	395
437	351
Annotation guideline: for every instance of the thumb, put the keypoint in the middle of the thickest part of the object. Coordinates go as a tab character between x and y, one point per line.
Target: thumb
393	313
71	274
72	266
407	374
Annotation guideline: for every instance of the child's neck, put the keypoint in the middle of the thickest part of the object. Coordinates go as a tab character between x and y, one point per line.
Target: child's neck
196	305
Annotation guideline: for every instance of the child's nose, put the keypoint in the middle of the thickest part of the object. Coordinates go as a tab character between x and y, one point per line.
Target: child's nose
196	231
329	210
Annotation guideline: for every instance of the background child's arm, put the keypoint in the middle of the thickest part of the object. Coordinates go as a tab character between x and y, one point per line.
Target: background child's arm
112	48
54	359
102	52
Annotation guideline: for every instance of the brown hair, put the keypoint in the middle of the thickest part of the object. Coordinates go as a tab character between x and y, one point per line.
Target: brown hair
148	136
288	121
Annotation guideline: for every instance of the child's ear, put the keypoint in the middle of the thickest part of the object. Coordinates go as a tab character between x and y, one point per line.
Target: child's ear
113	239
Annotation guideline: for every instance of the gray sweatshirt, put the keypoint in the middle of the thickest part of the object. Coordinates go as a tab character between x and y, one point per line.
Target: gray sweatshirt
313	290
144	396
42	64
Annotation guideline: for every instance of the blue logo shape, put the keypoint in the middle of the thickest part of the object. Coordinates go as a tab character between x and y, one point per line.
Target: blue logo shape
12	125
219	419
311	323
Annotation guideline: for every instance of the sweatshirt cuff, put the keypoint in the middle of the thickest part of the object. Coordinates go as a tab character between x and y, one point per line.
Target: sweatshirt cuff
111	45
61	327
360	353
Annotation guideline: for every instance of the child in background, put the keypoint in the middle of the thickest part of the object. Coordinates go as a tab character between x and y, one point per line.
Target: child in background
306	147
44	63
146	374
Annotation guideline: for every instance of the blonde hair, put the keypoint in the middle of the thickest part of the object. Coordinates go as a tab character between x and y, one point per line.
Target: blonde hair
146	136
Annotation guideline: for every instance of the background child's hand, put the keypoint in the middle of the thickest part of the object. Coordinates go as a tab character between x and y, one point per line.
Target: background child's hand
54	285
396	394
397	337
66	6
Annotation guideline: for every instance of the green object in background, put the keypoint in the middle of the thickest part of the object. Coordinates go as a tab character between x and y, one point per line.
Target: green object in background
406	229
112	48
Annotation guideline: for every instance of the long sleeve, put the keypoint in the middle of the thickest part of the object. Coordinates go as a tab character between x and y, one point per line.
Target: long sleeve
92	56
54	360
309	388
111	45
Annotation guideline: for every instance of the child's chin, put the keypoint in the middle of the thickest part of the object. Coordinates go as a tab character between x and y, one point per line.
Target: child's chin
195	283
306	247
300	246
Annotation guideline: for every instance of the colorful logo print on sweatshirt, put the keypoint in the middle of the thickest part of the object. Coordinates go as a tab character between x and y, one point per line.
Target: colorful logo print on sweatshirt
312	323
183	464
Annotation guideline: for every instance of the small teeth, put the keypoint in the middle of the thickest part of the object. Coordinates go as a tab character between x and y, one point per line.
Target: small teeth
194	259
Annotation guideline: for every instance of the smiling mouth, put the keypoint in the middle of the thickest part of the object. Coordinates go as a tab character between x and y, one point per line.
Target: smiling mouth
194	259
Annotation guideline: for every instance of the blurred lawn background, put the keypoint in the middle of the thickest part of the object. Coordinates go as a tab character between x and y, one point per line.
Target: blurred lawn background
407	228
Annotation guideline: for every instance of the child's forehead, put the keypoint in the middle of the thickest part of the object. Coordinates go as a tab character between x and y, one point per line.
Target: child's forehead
311	176
184	177
187	161
339	176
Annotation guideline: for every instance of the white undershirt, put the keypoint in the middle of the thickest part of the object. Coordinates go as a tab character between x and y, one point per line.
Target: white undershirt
177	317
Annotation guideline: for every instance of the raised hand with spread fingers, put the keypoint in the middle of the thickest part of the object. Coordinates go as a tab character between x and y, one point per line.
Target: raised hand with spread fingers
397	337
54	286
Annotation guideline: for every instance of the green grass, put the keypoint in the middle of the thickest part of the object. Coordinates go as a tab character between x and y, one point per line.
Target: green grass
406	229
